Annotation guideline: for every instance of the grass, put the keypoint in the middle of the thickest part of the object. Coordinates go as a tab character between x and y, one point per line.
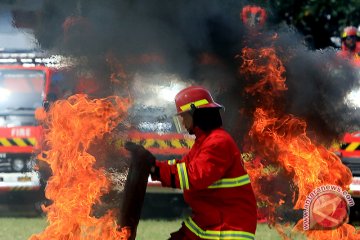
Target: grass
20	228
23	228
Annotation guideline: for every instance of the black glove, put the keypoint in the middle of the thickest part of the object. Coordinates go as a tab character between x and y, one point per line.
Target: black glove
140	152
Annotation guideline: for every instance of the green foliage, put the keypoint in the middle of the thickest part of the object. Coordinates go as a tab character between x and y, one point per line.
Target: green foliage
320	19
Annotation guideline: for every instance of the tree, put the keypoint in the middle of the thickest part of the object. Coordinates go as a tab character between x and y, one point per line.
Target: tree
317	19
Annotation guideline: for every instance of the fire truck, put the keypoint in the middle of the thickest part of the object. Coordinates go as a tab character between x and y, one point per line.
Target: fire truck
349	152
155	130
24	87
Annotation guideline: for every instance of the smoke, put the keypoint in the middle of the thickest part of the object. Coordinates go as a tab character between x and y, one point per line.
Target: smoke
177	30
147	45
318	84
198	41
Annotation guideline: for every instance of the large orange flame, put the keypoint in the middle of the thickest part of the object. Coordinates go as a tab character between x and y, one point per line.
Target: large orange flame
75	186
287	160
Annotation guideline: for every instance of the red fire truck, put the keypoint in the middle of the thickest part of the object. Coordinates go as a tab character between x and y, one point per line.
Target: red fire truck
349	152
154	129
24	87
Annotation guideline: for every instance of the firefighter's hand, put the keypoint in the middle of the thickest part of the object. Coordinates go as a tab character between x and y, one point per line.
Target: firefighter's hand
139	151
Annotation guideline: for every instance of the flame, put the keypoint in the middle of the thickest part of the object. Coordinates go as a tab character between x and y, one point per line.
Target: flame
344	232
288	165
75	186
118	74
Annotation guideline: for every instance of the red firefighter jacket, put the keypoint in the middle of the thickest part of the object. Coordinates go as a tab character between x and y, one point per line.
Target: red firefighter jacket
216	187
353	56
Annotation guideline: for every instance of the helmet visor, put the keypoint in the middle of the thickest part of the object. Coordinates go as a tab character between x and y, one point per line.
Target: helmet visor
179	124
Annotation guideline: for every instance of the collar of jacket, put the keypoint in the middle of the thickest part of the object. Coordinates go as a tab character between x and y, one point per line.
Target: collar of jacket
201	135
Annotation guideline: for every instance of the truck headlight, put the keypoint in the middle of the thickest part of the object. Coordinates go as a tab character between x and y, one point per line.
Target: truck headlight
18	164
30	165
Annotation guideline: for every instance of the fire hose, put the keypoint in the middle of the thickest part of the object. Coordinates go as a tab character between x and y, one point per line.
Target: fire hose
135	188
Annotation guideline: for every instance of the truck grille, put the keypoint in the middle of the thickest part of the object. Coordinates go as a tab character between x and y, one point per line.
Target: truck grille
15	163
353	164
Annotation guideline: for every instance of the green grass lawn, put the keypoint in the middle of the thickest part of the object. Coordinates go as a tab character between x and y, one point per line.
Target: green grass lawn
160	230
23	228
20	228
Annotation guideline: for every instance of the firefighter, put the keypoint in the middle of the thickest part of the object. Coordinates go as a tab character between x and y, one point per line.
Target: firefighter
350	47
212	175
253	16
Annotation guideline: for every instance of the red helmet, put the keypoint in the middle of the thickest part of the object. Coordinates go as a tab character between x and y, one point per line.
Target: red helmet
197	96
253	15
349	31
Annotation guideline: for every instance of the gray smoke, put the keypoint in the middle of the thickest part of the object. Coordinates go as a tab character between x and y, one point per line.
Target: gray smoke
319	82
181	32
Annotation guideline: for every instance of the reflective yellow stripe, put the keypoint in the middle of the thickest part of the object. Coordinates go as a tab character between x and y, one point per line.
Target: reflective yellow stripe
183	177
149	143
197	104
352	146
5	142
161	143
189	142
218	235
19	142
231	182
32	141
171	162
175	143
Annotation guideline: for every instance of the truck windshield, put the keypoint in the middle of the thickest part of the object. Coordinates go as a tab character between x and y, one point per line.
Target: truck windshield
21	89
